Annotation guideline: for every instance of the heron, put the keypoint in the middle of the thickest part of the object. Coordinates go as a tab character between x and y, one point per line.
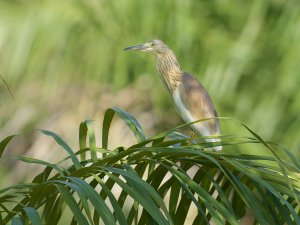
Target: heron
191	100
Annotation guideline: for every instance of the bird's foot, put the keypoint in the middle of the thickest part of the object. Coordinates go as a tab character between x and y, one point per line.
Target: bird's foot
191	138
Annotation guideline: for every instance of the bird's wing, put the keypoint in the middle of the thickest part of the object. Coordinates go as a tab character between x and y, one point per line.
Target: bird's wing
196	100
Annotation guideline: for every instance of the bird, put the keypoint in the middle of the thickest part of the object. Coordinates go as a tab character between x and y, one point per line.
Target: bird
192	101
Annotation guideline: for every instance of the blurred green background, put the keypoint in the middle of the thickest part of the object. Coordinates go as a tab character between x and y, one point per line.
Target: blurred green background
64	63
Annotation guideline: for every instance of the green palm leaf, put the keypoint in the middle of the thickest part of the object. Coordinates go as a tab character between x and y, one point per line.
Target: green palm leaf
159	180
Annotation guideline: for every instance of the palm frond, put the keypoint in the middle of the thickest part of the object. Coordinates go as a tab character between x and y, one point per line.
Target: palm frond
164	179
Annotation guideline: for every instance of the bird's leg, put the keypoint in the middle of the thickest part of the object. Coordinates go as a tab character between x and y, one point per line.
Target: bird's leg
191	137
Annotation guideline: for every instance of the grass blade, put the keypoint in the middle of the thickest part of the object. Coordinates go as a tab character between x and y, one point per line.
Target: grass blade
17	221
92	140
4	143
96	200
64	145
131	122
33	216
72	205
82	139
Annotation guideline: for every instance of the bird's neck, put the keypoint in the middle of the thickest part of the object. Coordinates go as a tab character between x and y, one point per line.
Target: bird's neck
169	70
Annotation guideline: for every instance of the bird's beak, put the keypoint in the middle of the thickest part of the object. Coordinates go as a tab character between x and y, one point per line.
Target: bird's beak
140	47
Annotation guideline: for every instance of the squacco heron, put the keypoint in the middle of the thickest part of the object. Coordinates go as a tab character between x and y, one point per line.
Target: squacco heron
190	98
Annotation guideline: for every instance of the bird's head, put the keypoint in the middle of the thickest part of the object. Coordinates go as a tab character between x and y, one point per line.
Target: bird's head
154	46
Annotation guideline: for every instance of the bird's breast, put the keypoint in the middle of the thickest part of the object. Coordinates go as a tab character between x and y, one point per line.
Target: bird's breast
180	107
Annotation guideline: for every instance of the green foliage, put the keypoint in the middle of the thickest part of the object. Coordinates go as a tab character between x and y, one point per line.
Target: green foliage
159	180
246	53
